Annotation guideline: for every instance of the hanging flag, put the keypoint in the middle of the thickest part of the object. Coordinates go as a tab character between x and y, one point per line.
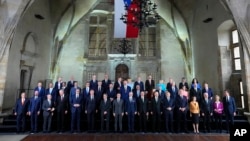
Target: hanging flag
123	30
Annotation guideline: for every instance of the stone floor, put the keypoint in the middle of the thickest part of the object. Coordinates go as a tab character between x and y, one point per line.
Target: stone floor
12	137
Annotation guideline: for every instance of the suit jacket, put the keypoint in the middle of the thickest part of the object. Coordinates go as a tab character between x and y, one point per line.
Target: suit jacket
105	106
62	105
148	86
53	94
111	93
85	93
169	86
41	93
209	91
136	94
207	107
74	100
181	102
21	108
45	107
70	84
105	84
56	86
142	105
90	105
141	84
168	103
156	106
117	86
161	94
35	105
98	94
125	93
185	84
131	106
197	93
93	85
73	92
118	107
229	106
174	92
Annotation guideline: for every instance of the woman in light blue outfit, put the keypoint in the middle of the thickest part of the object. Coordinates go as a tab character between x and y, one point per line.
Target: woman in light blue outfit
162	85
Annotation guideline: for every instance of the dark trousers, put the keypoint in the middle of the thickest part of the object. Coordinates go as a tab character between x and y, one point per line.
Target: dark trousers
131	122
218	122
105	121
181	120
91	121
47	122
156	122
75	120
118	119
207	122
33	121
21	122
169	120
143	122
60	121
229	121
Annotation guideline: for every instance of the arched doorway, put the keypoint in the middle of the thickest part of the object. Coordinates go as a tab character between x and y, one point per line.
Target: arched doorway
121	70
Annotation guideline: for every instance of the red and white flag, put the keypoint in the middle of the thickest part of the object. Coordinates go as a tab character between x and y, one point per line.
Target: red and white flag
125	30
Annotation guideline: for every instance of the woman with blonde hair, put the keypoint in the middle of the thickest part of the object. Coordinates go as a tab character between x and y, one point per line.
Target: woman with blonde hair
194	113
218	111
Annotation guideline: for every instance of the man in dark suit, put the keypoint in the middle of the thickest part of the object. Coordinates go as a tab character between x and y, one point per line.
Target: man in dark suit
51	90
173	90
161	92
98	93
73	90
105	83
41	91
58	85
62	105
137	92
131	110
140	83
169	84
105	107
149	86
156	112
183	83
143	111
208	90
91	110
181	107
21	110
111	92
48	109
93	82
118	111
34	111
229	109
118	84
168	108
66	89
206	112
85	93
195	91
76	107
125	89
70	83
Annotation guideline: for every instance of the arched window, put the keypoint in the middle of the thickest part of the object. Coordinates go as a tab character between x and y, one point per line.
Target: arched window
235	50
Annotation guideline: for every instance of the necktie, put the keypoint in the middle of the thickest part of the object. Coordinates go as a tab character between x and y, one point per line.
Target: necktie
77	96
87	90
49	102
99	89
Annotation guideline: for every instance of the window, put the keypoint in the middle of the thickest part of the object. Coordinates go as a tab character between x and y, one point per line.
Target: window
236	51
242	95
147	42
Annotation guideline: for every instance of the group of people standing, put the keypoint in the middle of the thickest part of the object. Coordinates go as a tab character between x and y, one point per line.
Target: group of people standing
104	101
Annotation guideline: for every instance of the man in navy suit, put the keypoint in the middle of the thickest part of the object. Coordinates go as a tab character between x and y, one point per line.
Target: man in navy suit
34	111
143	111
93	82
229	109
125	89
131	110
90	110
51	90
140	83
85	92
48	109
105	83
208	90
137	92
76	106
71	82
21	110
168	108
62	105
173	90
105	108
98	93
156	112
41	91
181	107
58	85
73	90
118	84
111	92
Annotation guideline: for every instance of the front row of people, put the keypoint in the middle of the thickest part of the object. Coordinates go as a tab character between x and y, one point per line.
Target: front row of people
146	109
